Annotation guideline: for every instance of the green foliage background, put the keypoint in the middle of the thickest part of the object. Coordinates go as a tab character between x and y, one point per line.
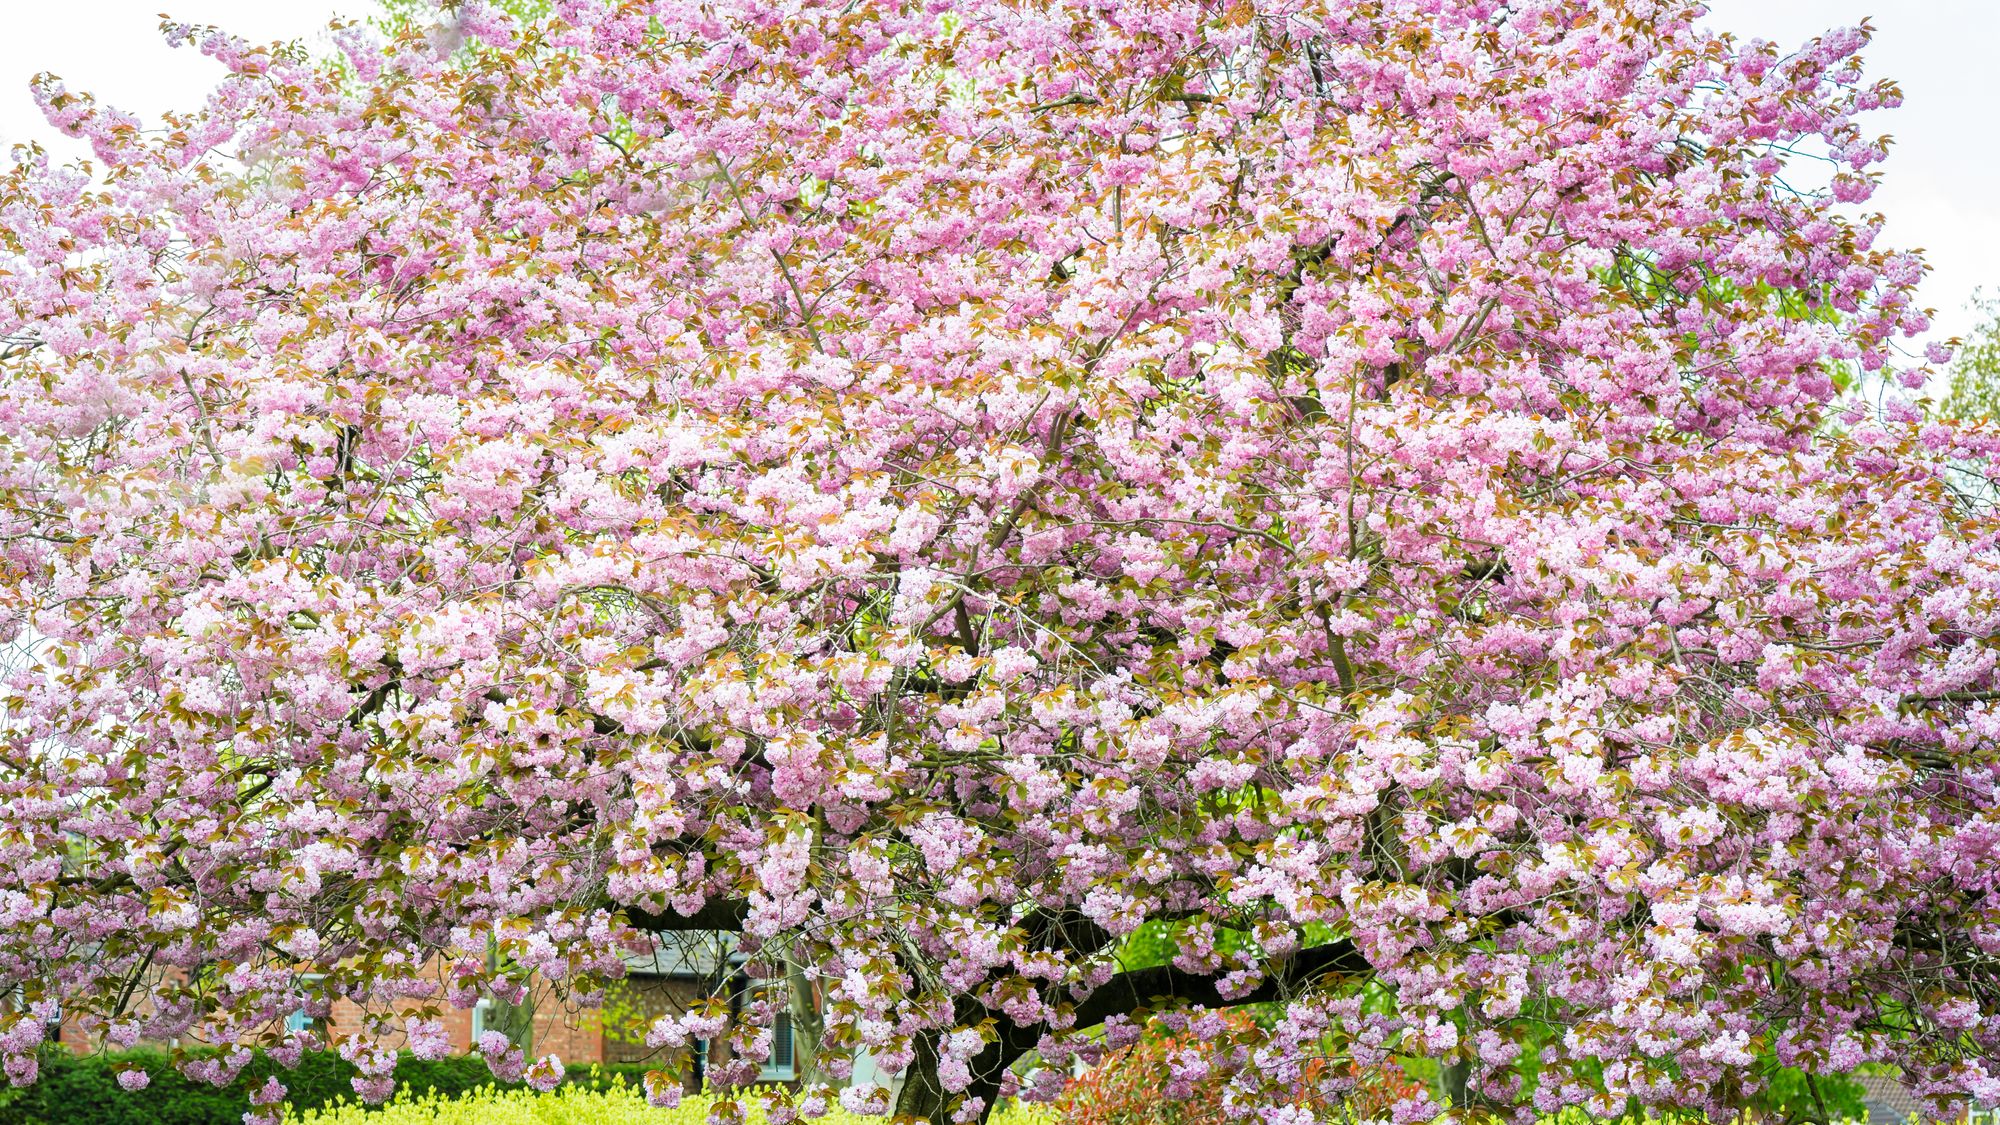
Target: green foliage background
1975	370
398	15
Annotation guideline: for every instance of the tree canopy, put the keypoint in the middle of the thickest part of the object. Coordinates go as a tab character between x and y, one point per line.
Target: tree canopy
1353	491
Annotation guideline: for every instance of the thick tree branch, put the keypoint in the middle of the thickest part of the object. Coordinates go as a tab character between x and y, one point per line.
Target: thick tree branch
1125	993
1951	697
1144	988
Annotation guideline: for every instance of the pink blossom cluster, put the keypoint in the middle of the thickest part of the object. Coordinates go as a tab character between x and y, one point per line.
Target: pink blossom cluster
954	492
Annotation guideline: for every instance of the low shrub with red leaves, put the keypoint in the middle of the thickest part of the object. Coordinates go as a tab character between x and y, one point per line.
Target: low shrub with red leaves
1130	1087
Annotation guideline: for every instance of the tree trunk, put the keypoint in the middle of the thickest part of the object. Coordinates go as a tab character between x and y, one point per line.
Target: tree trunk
919	1094
807	1026
515	1021
1456	1079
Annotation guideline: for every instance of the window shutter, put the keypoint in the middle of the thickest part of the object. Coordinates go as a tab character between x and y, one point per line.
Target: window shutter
780	1067
781	1043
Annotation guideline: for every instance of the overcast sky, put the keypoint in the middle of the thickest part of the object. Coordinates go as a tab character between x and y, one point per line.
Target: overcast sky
1941	189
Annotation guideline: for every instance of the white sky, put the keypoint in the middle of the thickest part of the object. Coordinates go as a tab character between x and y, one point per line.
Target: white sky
1941	190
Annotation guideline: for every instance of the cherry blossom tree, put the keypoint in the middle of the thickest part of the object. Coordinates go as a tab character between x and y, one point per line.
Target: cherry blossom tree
1352	492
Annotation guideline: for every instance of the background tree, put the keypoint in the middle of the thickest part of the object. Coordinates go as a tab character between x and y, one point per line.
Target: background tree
937	488
1975	369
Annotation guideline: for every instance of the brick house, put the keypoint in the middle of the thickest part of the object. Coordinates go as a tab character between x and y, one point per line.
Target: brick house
674	975
1889	1102
679	970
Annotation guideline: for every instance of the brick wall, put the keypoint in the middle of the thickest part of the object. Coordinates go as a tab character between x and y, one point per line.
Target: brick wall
568	1031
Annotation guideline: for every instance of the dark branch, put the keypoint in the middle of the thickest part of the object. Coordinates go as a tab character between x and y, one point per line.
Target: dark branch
1072	99
1952	697
715	914
1145	988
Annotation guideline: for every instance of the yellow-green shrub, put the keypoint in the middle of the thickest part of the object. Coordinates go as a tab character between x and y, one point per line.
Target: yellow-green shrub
571	1105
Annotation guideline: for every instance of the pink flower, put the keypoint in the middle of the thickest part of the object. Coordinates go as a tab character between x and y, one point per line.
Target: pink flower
270	1093
663	1090
545	1074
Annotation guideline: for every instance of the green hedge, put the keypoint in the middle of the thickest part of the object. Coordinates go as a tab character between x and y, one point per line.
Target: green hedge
84	1090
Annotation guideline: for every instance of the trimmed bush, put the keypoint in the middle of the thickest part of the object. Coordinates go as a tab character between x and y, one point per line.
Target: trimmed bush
569	1106
84	1090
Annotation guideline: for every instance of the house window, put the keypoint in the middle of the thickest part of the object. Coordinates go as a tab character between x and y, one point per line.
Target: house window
53	1022
299	1021
479	1011
780	1066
